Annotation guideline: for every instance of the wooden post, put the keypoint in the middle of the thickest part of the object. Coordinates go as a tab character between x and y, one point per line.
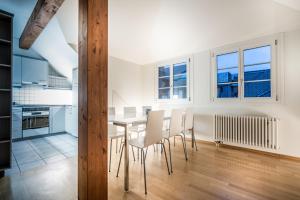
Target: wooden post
93	70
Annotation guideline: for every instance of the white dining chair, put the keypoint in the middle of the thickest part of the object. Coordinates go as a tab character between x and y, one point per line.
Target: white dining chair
189	126
153	135
112	114
135	129
175	129
146	109
111	111
114	134
129	112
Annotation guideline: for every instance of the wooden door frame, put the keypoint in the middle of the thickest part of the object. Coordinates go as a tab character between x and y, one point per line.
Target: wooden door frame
92	104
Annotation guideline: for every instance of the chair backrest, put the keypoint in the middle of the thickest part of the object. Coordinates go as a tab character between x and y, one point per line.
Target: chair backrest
111	111
111	129
176	125
189	119
154	127
146	109
129	112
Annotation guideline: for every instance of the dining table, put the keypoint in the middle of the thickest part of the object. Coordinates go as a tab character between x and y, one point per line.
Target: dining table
126	123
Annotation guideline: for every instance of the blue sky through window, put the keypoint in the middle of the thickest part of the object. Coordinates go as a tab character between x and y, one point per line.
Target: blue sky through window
257	73
228	72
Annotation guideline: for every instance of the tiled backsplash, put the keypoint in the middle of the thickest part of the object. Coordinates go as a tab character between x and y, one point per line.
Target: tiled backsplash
31	94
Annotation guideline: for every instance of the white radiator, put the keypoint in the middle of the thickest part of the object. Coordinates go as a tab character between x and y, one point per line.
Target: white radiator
246	130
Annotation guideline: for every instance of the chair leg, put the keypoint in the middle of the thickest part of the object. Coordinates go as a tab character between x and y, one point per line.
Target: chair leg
154	147
117	140
170	155
194	139
110	154
174	141
144	162
120	160
196	144
138	154
184	147
133	153
146	152
163	146
121	145
184	139
141	156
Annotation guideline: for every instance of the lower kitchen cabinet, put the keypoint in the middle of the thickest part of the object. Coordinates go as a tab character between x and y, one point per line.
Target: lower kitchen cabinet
71	120
17	123
75	121
68	119
57	119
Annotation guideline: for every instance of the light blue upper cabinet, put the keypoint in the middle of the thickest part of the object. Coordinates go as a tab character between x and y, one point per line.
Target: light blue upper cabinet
17	71
34	71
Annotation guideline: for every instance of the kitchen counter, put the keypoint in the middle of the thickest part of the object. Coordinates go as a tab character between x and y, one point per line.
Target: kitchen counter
38	120
36	105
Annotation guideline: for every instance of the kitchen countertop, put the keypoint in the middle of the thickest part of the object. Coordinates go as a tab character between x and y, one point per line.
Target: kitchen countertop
36	105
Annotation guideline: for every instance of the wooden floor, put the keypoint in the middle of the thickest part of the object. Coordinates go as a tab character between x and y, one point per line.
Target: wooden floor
210	173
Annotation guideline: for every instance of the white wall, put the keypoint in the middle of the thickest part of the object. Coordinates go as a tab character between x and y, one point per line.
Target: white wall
287	110
124	85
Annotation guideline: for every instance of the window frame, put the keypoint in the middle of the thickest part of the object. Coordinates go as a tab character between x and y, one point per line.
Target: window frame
223	51
171	63
240	47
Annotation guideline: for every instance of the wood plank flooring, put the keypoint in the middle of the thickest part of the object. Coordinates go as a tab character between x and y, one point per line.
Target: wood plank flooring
210	173
213	173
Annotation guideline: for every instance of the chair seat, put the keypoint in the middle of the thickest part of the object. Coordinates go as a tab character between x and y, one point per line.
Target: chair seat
166	134
113	132
138	142
136	129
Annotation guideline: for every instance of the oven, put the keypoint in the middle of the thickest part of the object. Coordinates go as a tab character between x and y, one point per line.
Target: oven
35	121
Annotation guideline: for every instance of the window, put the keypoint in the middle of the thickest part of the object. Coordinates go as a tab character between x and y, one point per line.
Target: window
228	75
246	72
257	72
179	81
164	85
173	80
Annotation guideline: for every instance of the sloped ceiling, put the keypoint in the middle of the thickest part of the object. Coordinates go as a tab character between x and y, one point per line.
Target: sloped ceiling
149	31
294	4
51	44
67	16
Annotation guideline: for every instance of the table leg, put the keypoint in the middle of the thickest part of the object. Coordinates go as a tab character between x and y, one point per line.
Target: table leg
192	130
126	161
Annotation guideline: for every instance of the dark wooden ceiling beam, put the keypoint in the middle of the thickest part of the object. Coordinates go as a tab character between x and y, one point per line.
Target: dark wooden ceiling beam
42	13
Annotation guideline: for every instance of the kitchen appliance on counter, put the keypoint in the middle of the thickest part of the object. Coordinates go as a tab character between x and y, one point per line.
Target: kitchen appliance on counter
35	121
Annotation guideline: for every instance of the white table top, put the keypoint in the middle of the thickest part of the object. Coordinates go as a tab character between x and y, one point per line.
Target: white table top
119	120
